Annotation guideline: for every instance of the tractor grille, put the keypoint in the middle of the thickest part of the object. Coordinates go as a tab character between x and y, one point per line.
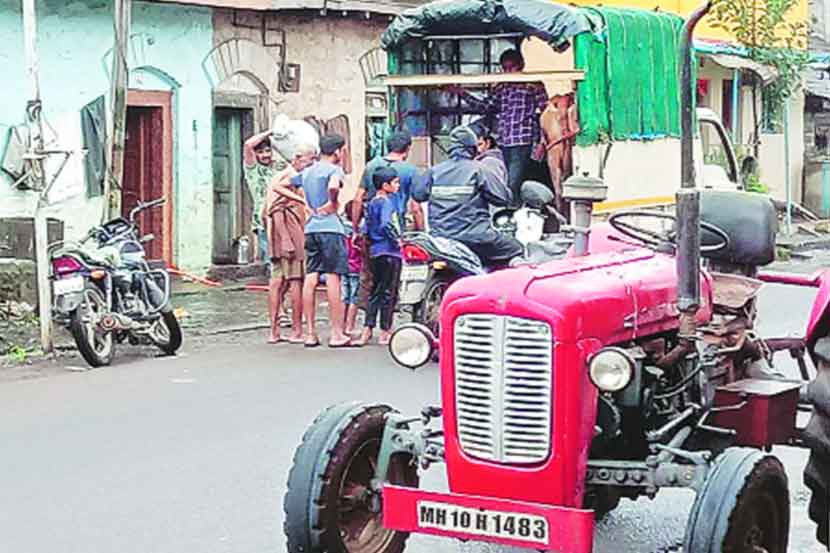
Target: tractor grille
503	387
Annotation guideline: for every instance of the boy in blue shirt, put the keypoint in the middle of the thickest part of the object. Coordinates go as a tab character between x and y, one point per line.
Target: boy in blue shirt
383	229
325	246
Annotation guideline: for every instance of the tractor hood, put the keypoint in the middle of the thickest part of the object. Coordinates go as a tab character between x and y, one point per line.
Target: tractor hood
610	297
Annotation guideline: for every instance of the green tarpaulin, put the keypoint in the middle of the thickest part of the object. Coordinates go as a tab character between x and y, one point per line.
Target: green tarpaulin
631	88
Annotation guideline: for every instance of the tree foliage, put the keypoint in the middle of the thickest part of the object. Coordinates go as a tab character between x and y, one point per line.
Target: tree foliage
772	37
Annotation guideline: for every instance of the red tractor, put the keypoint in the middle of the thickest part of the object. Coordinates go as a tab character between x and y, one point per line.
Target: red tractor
628	367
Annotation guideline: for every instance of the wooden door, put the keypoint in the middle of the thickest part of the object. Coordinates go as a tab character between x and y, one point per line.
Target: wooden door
227	182
143	174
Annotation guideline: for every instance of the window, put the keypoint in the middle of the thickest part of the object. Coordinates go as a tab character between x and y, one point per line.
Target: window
727	98
433	112
719	163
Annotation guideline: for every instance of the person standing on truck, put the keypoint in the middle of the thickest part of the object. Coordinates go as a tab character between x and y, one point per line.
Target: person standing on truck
460	192
260	170
517	106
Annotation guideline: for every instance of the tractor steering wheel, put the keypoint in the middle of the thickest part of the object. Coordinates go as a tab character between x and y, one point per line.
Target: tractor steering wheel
655	239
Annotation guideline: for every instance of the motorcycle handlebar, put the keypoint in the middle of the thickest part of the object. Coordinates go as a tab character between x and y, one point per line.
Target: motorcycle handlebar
142	206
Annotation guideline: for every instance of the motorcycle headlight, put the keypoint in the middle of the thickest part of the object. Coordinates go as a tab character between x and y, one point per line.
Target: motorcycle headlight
412	345
611	369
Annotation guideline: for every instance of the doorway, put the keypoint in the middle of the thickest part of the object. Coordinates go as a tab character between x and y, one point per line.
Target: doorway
231	203
148	168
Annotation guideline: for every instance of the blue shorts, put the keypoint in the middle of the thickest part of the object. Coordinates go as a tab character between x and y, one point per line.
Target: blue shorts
350	285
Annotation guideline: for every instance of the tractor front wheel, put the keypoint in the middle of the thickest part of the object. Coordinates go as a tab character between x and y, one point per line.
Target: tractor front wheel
331	505
743	507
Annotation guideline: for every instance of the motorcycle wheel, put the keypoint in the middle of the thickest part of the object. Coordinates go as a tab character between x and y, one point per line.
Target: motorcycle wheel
330	506
96	347
166	333
428	310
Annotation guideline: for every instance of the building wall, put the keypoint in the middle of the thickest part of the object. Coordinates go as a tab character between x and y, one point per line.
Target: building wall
684	8
74	40
327	49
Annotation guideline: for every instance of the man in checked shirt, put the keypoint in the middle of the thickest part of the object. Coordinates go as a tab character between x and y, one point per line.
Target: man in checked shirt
517	107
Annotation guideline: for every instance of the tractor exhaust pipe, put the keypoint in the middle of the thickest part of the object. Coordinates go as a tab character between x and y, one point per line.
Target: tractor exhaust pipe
688	197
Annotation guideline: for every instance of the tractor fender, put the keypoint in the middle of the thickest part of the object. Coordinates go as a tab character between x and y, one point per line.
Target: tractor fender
819	321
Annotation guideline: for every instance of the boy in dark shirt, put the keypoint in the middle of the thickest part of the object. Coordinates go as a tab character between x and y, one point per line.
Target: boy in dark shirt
383	229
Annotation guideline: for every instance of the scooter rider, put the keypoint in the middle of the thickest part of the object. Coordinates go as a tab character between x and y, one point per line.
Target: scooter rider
460	191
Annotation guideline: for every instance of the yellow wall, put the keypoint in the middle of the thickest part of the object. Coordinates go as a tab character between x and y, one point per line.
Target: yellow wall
683	7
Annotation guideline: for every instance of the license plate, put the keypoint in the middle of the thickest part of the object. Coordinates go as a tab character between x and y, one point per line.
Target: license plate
414	272
483	522
68	285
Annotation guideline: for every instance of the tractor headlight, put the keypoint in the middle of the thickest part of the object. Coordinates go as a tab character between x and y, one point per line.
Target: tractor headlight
412	345
611	369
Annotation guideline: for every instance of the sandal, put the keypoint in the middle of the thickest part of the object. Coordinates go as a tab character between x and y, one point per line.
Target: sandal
346	344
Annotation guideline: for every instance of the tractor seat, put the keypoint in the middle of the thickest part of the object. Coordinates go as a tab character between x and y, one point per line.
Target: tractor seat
750	221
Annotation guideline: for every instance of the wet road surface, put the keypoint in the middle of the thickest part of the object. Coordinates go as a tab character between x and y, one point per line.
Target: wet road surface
191	454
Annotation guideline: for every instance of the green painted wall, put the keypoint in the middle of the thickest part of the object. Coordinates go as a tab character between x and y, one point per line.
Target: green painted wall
167	48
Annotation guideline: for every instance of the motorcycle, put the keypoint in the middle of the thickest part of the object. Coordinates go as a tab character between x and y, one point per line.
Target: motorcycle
432	263
105	292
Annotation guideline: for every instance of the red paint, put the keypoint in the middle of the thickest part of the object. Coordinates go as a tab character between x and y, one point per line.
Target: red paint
794	279
590	302
148	167
769	416
412	253
605	239
571	530
66	265
820	315
819	322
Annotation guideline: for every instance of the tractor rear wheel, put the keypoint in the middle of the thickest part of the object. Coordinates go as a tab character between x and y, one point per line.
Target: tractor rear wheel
743	507
817	473
330	505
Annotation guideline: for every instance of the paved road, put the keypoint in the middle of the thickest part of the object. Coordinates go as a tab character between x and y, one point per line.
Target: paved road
191	454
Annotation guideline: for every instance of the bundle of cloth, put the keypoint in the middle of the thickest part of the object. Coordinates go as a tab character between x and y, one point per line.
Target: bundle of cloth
296	142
